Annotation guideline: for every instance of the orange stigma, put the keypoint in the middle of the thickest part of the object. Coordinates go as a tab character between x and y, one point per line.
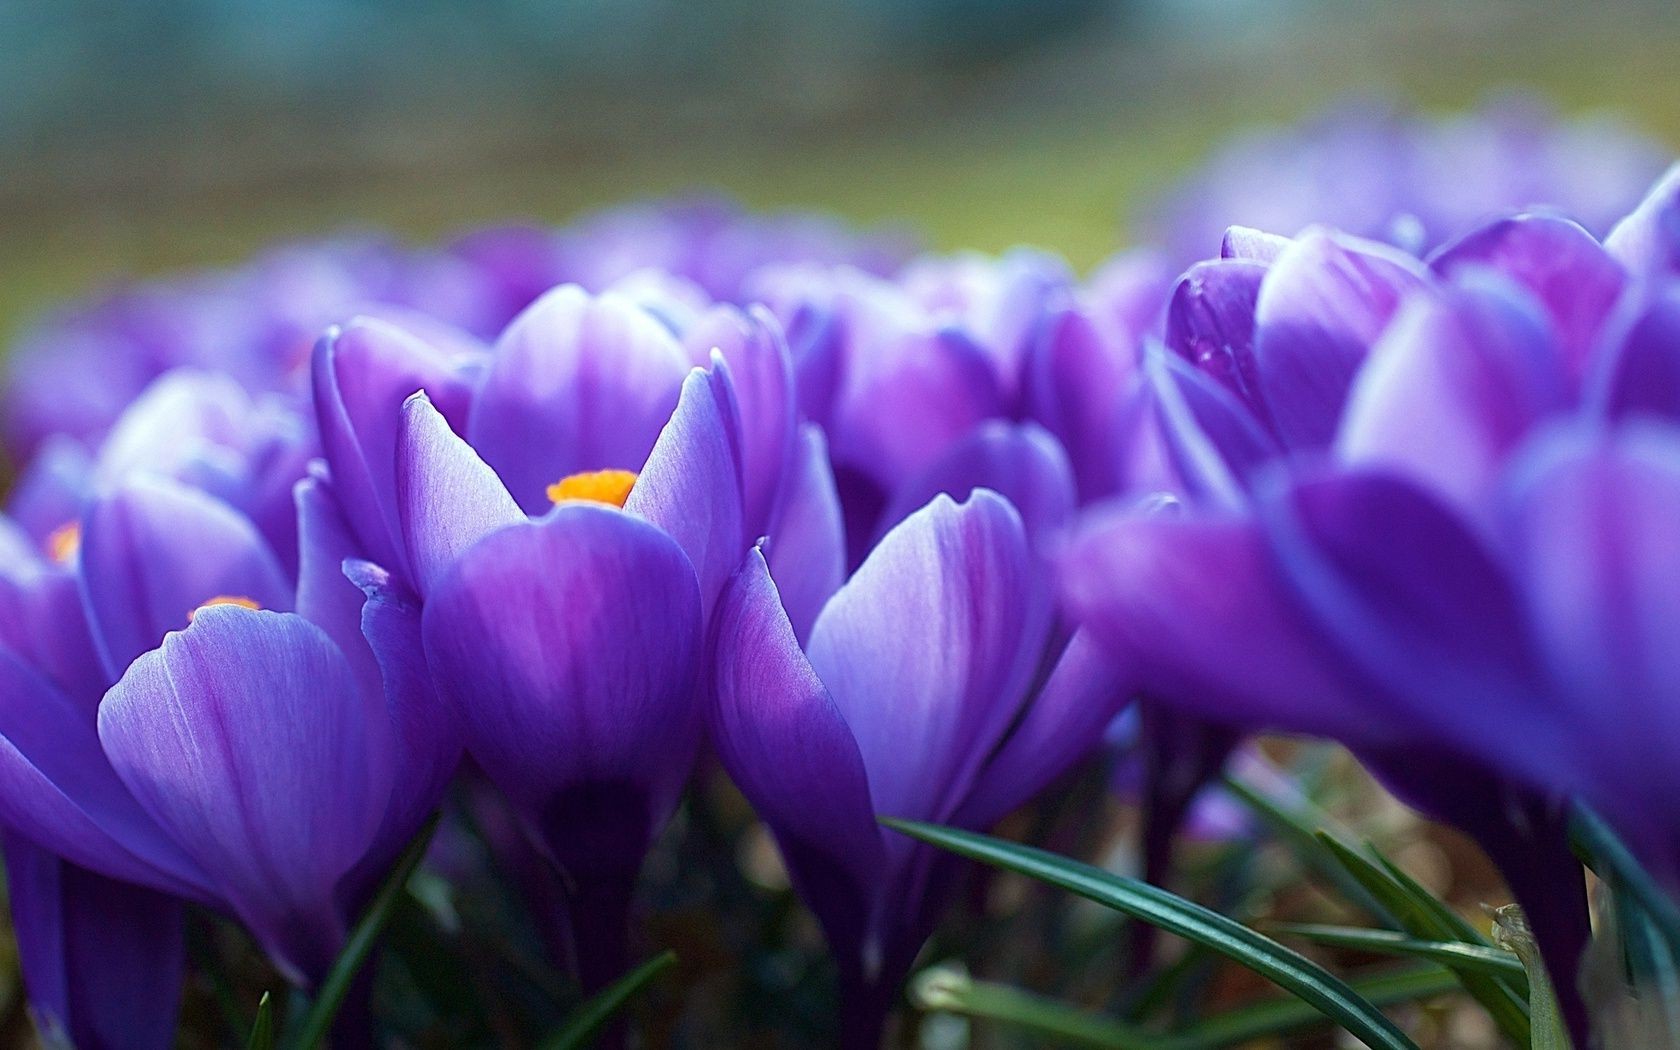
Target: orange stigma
225	599
64	542
596	486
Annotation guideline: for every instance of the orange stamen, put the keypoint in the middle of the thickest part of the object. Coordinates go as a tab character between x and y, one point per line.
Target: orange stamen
64	542
225	599
597	486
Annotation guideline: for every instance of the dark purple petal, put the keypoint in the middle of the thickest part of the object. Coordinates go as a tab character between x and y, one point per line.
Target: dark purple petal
447	497
1210	323
807	544
245	737
1021	462
362	374
325	597
1455	384
1639	373
1413	598
1194	610
102	960
762	370
785	744
577	383
929	649
153	551
1574	278
1324	303
1212	440
691	484
569	648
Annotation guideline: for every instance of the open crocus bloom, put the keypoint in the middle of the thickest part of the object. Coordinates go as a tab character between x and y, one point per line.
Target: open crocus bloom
1458	560
917	695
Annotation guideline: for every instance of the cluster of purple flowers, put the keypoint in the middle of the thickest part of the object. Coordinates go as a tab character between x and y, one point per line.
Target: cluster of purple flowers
300	546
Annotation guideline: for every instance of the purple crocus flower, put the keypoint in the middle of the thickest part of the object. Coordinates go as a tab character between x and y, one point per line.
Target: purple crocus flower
916	694
1464	447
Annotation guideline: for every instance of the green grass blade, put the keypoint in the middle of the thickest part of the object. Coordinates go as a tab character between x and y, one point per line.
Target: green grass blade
262	1032
1284	967
1300	830
1511	931
1419	914
593	1015
1060	1024
1456	954
1605	853
319	1021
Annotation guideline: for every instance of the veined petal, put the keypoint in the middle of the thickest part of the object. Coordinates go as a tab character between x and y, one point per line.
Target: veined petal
929	649
569	646
1215	442
153	551
691	485
807	544
447	497
245	737
786	745
1452	387
1324	302
1077	377
762	369
576	383
361	375
1210	323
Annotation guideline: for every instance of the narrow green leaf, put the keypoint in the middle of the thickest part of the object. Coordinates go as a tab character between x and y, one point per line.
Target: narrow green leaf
318	1022
262	1033
1511	931
1419	914
1605	853
1456	954
588	1020
1284	967
1300	831
1060	1024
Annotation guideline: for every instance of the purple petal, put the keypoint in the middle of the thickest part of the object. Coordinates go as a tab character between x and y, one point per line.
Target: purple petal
577	383
1647	242
762	369
691	484
57	789
1193	608
244	736
324	596
1213	441
1021	462
1456	382
1640	373
49	493
153	551
569	648
1076	377
362	374
1324	303
447	497
807	545
1244	242
785	744
1596	543
1575	279
929	648
1411	595
1084	692
1210	323
102	960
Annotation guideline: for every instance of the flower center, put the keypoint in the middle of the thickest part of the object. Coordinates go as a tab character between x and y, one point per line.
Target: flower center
597	486
64	542
225	599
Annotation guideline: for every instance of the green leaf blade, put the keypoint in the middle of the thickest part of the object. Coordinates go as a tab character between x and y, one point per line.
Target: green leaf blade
262	1032
595	1014
1284	967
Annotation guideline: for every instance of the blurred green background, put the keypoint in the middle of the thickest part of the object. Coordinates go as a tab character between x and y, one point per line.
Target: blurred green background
147	137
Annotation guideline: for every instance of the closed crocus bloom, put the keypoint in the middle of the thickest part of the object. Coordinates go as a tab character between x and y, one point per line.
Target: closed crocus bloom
914	696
